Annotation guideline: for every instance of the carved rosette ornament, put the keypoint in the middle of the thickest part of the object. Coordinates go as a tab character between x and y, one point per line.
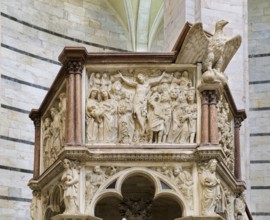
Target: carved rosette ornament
127	110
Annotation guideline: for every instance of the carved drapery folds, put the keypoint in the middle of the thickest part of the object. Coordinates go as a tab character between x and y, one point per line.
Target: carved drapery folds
54	130
212	193
70	182
157	109
226	131
239	207
182	178
94	178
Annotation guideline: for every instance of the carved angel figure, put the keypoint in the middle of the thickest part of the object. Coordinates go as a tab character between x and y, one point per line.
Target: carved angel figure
214	52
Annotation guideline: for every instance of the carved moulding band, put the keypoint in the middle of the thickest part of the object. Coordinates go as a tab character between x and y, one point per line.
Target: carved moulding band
84	154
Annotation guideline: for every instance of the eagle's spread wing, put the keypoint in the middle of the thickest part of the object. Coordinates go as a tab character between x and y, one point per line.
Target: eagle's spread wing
195	45
231	46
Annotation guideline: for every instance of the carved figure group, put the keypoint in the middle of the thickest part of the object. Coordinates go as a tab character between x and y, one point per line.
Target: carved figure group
225	131
93	181
158	109
53	134
182	178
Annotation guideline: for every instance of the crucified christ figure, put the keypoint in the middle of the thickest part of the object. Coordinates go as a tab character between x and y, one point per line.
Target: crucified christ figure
142	87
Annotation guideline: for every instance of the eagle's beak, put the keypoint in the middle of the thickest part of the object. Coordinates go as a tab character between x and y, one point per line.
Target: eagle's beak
223	22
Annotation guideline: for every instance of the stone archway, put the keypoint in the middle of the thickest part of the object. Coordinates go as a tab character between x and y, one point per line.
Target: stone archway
139	202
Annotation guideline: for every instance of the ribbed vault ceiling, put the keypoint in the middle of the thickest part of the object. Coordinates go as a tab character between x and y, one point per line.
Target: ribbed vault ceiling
142	18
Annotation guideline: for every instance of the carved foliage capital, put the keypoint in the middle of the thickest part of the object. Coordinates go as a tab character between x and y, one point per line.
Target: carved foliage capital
35	116
209	97
213	97
237	122
74	67
37	122
205	97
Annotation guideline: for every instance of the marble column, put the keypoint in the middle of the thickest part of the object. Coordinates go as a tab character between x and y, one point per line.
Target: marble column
213	127
205	118
237	153
74	102
35	116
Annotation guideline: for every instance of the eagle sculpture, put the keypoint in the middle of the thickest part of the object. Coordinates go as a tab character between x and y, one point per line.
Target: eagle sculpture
214	52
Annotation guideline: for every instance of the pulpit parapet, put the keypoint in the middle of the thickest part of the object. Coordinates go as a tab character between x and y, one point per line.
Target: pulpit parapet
129	134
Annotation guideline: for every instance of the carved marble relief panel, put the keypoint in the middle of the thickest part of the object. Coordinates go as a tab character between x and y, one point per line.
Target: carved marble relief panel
182	178
226	131
53	130
141	105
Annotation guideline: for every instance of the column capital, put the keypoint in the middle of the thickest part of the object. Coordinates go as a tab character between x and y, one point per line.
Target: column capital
35	117
74	67
213	96
205	97
237	122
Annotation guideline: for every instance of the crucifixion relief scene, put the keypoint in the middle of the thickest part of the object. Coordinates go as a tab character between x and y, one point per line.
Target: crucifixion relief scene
125	109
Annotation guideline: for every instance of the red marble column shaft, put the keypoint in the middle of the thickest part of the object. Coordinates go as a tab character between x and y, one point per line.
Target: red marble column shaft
34	115
78	108
213	127
205	118
237	153
74	102
70	138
